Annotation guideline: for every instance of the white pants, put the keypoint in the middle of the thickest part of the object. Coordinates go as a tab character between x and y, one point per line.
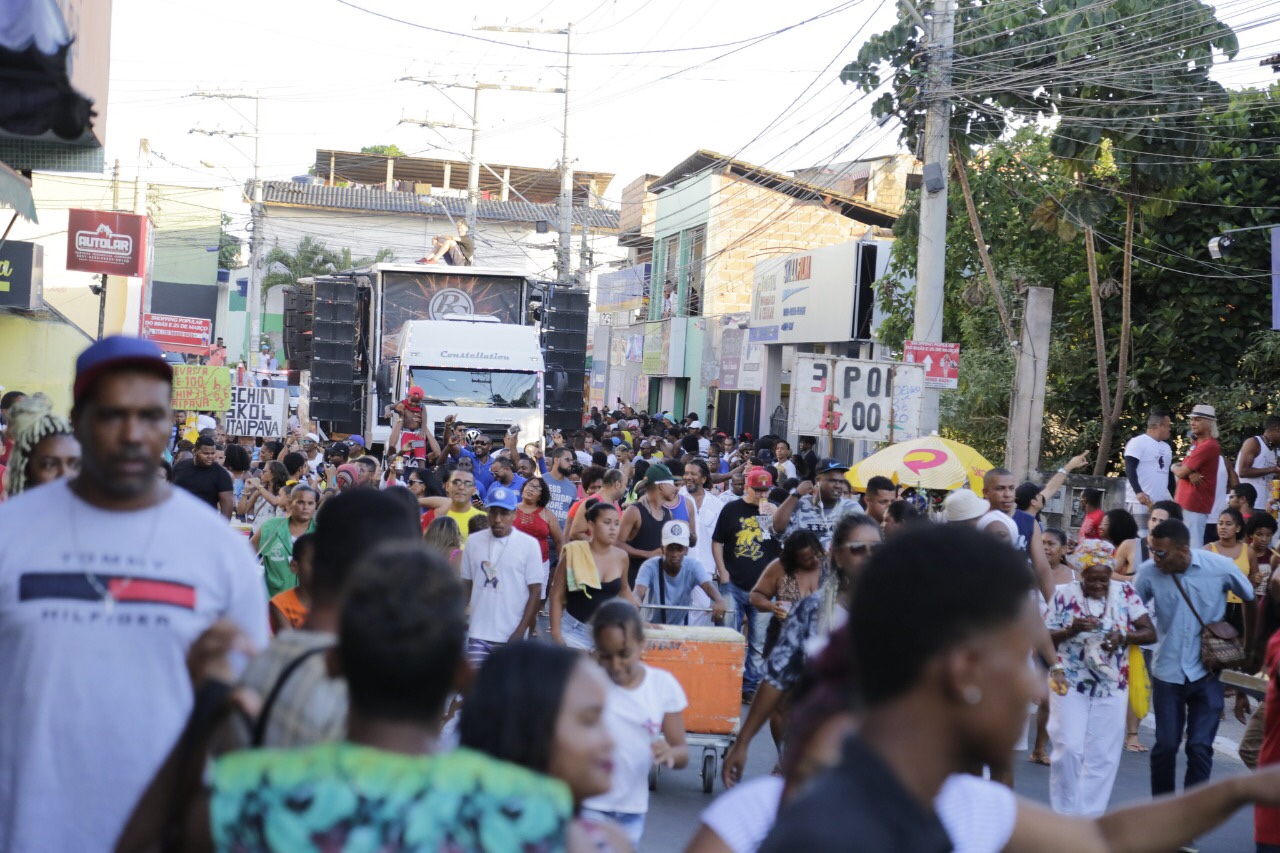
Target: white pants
1088	738
1195	522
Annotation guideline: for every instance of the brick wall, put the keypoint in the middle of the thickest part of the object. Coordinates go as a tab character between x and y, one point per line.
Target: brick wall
749	223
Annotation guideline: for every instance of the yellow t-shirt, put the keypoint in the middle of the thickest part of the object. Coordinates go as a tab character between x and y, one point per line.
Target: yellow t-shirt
463	520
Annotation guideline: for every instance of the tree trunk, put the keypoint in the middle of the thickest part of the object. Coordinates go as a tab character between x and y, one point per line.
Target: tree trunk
1111	419
961	169
1100	352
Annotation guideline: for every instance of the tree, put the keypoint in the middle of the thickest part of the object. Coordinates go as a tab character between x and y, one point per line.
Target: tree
383	150
1200	328
312	258
1126	81
228	247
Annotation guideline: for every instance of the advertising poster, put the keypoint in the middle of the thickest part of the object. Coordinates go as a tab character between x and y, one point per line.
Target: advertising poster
100	241
200	388
846	398
432	296
257	412
178	334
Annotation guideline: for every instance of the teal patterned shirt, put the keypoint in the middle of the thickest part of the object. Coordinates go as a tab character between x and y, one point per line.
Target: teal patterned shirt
345	797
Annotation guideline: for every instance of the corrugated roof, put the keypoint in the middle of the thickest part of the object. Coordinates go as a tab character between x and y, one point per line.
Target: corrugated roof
381	201
703	160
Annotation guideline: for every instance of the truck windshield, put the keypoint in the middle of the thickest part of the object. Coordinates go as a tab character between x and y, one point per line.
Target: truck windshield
477	389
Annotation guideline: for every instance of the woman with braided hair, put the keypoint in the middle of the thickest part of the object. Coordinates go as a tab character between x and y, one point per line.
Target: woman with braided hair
44	448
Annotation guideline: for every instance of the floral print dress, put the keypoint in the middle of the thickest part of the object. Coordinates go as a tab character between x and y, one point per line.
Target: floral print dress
1089	669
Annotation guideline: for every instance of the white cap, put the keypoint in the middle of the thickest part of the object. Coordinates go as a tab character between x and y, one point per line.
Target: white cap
675	533
964	505
312	437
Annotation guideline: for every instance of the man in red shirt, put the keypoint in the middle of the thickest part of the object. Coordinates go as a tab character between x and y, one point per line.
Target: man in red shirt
1091	505
1198	473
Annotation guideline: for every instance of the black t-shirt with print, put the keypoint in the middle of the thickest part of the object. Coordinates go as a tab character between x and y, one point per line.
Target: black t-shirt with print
204	483
749	544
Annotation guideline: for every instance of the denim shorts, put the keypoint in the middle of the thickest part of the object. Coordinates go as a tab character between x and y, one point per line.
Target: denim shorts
630	823
577	635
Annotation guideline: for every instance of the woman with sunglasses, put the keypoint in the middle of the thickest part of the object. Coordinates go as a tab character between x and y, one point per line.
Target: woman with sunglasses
852	542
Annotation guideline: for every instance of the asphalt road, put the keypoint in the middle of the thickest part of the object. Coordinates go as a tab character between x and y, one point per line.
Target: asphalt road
675	806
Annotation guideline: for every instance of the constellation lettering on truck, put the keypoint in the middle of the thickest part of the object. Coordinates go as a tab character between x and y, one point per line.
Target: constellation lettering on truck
491	356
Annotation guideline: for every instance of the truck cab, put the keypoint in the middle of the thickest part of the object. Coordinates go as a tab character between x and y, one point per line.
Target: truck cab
488	374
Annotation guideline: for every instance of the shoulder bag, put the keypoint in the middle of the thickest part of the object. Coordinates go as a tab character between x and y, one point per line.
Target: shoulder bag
1220	646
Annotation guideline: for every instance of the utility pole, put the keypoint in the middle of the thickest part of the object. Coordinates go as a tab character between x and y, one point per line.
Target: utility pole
256	211
473	162
101	290
931	260
565	250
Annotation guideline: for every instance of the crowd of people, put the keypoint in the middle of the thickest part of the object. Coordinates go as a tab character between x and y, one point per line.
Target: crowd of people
293	642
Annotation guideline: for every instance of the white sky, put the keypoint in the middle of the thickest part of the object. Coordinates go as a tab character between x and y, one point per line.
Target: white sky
328	73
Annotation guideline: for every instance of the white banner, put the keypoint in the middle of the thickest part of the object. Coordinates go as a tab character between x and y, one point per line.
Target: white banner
257	411
845	398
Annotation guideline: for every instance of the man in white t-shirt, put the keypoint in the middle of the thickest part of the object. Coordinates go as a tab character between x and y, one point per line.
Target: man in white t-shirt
104	583
502	577
1146	467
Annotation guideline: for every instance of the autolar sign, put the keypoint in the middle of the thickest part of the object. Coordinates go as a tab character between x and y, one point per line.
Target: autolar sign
100	241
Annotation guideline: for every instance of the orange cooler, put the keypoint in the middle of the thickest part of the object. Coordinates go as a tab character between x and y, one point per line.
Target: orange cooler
708	664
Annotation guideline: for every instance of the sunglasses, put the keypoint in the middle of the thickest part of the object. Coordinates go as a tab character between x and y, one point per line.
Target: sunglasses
762	488
858	547
1159	555
457	482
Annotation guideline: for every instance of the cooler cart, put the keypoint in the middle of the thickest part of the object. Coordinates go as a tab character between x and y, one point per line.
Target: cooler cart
708	663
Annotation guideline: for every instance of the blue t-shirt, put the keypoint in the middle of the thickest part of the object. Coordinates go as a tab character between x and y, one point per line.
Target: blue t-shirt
563	495
679	589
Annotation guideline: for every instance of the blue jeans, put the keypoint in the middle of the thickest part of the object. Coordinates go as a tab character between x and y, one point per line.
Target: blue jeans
757	623
631	824
1197	705
575	634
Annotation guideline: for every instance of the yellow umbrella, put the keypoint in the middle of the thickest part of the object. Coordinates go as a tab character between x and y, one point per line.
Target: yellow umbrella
932	462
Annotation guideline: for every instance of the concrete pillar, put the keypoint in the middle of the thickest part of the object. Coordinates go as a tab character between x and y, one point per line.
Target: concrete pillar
391	174
771	387
1026	404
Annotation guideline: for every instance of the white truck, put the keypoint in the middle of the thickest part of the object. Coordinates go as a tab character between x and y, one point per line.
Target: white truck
488	374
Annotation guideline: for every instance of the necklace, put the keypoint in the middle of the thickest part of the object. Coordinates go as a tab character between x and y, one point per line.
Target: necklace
104	591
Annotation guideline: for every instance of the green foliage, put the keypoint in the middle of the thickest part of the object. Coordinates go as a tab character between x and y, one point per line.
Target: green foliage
383	150
228	247
1200	328
311	258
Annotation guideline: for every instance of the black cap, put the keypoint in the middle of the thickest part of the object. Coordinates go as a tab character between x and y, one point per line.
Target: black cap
826	466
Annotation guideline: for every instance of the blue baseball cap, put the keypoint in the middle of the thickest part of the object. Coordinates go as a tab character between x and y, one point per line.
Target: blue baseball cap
116	352
502	497
355	439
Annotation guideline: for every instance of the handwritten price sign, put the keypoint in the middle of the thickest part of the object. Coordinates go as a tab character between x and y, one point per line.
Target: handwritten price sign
200	388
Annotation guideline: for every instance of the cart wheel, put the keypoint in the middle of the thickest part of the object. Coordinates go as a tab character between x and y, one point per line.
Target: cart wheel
653	777
708	771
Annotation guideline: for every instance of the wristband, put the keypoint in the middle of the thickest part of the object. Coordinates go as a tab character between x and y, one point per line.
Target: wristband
1057	667
1062	470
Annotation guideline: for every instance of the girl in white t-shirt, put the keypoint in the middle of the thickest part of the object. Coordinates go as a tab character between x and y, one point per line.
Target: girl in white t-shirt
643	715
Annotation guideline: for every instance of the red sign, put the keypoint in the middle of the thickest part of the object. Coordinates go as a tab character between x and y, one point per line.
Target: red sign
941	362
178	334
100	241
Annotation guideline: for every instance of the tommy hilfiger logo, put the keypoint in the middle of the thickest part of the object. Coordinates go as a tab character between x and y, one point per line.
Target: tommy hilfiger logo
76	586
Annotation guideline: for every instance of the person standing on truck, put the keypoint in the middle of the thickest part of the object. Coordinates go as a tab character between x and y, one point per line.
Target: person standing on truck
459	251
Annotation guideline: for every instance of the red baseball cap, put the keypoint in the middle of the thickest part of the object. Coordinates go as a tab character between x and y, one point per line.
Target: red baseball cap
758	478
416	391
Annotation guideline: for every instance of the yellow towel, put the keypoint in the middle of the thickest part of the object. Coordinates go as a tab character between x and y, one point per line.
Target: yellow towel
580	567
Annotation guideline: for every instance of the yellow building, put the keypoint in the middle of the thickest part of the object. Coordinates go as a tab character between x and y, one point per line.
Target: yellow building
38	351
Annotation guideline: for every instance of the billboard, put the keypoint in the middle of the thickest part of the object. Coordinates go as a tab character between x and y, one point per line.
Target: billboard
941	362
818	296
21	275
408	296
178	334
847	398
623	290
100	241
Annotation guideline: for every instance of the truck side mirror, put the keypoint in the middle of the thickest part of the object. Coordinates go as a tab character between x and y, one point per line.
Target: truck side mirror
382	381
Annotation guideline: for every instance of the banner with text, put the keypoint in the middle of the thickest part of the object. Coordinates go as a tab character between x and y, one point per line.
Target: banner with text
178	334
941	362
200	388
857	399
257	412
